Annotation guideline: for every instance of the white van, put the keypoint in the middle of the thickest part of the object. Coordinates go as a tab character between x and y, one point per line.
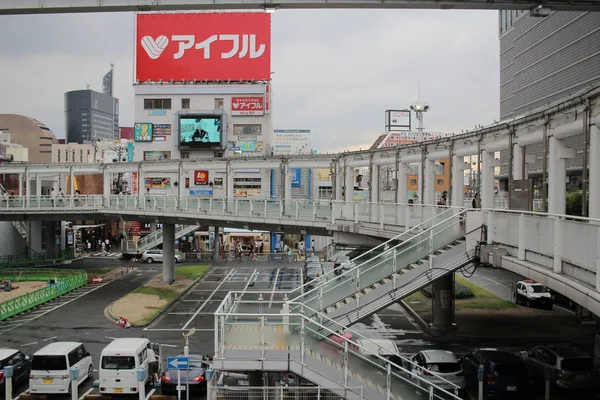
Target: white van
119	363
50	367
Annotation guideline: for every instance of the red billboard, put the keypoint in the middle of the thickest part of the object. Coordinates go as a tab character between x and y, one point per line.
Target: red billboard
248	105
208	46
200	177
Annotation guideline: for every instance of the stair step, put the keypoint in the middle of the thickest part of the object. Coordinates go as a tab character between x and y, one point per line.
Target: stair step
375	285
386	280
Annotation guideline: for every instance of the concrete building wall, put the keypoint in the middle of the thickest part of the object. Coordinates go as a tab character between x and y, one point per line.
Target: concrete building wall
11	241
29	133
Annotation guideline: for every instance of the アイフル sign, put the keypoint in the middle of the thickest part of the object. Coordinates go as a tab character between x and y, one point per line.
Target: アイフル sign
199	46
248	105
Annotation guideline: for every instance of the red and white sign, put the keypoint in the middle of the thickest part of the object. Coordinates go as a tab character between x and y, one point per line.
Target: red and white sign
200	177
211	46
248	105
134	183
268	98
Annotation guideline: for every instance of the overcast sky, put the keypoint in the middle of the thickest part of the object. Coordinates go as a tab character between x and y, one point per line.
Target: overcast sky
336	72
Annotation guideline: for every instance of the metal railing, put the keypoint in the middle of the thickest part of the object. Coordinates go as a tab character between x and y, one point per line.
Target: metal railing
154	239
300	330
275	393
64	281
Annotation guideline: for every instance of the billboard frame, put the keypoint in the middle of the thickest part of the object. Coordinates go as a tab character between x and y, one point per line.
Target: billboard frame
397	128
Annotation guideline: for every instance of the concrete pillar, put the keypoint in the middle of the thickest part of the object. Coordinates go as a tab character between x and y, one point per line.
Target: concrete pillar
27	186
557	177
594	167
72	186
429	188
38	185
401	183
443	311
229	181
34	236
63	235
374	183
168	252
349	184
339	181
50	238
106	186
287	182
20	184
487	180
518	160
458	184
217	245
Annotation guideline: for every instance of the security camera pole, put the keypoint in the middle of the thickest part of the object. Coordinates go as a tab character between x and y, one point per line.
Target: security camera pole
419	108
186	352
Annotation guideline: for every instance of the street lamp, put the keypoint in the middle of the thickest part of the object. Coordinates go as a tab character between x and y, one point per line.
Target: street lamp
419	108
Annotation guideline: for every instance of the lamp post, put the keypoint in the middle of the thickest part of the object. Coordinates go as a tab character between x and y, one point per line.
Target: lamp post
419	108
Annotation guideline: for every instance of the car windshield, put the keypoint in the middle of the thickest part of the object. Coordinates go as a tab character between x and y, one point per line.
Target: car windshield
577	364
49	363
538	288
118	362
444	368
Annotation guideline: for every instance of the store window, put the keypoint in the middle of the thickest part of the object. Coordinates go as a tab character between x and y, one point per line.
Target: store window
185	104
413	181
440	181
185	154
219	104
157	104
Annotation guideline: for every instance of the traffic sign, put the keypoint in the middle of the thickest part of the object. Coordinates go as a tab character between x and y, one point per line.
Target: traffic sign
178	362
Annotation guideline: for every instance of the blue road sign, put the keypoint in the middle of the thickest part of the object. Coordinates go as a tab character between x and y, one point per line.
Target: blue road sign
178	362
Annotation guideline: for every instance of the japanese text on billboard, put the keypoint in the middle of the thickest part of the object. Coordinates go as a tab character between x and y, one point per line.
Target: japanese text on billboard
200	177
247	106
142	132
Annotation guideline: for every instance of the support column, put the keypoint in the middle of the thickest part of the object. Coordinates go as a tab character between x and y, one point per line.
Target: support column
487	180
287	182
594	166
429	187
557	176
20	184
374	183
401	183
106	186
229	181
217	244
50	236
458	174
72	187
34	236
443	310
168	252
518	162
27	186
349	184
339	181
38	185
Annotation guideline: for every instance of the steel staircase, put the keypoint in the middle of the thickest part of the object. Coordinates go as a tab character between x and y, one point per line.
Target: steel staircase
19	225
155	238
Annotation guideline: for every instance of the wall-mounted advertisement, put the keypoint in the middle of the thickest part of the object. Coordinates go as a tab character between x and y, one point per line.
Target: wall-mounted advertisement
157	183
241	106
129	152
201	177
246	193
142	132
218	181
157	155
296	174
247	129
200	131
160	138
397	120
201	192
282	149
134	183
250	143
162	129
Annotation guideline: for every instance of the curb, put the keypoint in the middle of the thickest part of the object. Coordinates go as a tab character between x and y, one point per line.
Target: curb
109	314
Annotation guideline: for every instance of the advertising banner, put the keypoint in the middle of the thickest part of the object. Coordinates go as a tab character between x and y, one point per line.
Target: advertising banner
157	183
135	228
199	46
201	177
142	132
397	120
247	129
248	105
157	155
129	152
134	183
201	192
162	129
296	176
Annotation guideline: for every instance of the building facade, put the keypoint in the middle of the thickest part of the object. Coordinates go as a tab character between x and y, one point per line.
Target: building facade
541	61
31	134
90	116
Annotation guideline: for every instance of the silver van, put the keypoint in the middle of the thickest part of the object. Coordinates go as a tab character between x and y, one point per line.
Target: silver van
156	255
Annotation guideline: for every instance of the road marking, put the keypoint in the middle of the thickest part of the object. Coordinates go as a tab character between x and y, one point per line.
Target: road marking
150	393
29	344
109	330
178	329
110	337
86	393
19	396
206	302
274	287
60	304
50	338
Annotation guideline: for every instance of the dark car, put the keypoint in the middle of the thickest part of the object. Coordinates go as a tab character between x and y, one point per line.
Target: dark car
566	367
504	374
20	363
196	372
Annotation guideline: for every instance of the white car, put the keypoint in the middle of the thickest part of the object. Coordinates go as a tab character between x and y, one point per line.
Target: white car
150	256
439	367
531	293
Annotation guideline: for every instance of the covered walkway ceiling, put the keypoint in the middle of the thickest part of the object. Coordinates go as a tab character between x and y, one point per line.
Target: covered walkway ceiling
81	6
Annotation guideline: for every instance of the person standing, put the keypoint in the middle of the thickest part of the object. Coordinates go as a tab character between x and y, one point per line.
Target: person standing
476	203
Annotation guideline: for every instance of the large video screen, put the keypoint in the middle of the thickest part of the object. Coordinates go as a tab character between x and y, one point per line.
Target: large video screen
200	131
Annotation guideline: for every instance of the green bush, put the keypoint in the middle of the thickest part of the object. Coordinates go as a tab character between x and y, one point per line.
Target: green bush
574	200
460	291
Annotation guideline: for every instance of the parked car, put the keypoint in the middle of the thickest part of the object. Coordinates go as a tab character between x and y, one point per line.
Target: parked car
531	293
156	255
569	367
20	363
439	367
504	374
197	377
51	365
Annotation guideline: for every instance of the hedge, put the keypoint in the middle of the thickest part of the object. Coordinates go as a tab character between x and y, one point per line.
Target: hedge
460	291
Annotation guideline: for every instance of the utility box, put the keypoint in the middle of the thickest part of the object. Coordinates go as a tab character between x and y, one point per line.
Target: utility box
499	252
486	255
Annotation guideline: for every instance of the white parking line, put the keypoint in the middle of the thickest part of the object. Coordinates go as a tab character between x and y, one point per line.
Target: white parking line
86	393
150	393
29	344
178	329
206	302
50	338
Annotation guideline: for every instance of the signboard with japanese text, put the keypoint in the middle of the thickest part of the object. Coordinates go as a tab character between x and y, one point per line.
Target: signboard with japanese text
254	105
134	183
157	155
162	129
201	177
142	132
296	174
247	129
157	183
201	192
198	46
397	120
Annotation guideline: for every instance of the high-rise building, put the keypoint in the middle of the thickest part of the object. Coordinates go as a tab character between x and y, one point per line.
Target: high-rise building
91	115
541	61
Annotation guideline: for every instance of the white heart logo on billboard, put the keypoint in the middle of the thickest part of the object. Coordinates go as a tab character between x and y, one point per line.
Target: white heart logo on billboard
154	48
235	105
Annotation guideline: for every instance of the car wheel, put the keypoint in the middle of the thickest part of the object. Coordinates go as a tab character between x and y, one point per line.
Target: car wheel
149	260
90	372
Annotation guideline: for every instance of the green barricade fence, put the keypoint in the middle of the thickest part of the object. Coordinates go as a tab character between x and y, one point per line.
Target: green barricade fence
34	258
64	282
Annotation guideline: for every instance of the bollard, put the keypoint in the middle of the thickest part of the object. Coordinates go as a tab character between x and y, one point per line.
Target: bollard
8	375
480	379
74	377
548	377
142	377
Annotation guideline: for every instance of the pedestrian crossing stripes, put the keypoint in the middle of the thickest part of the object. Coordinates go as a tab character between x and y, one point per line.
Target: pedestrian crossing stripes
107	254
